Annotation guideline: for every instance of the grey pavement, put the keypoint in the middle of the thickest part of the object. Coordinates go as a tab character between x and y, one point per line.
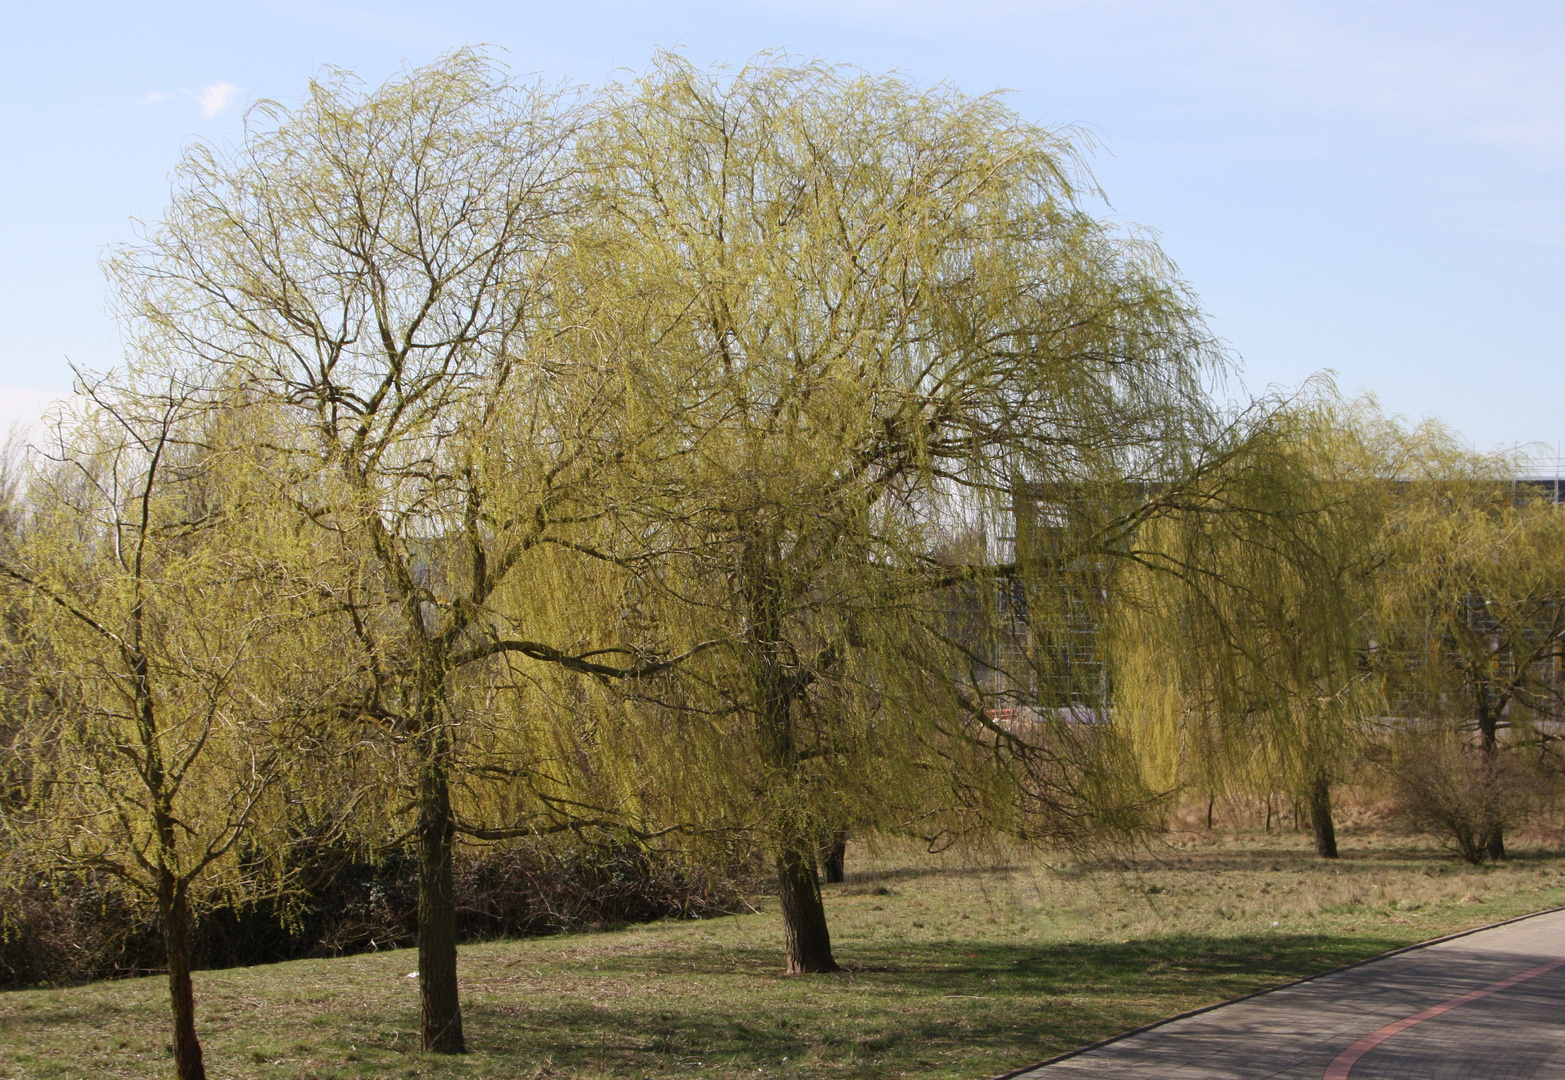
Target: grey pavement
1298	1031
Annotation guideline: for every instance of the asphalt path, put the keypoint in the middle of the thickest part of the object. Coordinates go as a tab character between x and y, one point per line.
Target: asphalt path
1488	1005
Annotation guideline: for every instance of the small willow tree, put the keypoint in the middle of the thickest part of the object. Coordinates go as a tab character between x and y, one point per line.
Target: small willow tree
148	745
1242	625
1470	624
870	308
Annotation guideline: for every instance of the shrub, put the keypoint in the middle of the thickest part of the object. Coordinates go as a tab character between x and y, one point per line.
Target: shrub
74	930
1449	789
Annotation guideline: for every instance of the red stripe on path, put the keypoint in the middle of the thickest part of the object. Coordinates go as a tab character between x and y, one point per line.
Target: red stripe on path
1343	1064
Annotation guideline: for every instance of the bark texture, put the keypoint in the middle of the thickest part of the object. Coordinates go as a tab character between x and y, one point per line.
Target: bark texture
779	685
175	903
806	938
1320	819
440	1008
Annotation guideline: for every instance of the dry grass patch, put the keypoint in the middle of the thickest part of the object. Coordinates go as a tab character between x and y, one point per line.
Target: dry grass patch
956	970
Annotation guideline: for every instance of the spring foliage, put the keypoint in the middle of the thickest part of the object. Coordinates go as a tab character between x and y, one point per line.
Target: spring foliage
1241	638
722	458
873	310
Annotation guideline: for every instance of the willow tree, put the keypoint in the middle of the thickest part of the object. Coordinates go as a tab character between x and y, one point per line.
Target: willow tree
150	738
1242	635
375	273
1470	624
870	309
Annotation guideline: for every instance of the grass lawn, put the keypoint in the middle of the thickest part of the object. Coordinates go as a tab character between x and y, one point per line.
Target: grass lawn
956	970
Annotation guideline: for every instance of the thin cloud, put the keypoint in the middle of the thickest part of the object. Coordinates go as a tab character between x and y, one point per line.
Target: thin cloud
215	98
153	98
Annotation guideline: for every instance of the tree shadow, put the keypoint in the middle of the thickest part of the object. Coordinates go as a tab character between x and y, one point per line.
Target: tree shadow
903	873
91	1015
994	1002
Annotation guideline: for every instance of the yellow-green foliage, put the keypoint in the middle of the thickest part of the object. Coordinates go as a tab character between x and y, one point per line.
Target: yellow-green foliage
1241	630
158	632
618	432
1472	611
869	308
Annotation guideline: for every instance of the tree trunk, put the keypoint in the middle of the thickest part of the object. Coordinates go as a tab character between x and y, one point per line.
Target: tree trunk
175	905
1489	736
832	856
1320	818
440	1018
778	685
807	941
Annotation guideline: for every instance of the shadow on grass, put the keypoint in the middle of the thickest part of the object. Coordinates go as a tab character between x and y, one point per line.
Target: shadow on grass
903	873
1290	859
903	1007
90	1014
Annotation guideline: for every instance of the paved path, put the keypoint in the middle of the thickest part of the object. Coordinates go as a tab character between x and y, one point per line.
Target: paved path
1486	1006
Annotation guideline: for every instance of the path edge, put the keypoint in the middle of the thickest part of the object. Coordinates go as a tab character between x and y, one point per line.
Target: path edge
1271	990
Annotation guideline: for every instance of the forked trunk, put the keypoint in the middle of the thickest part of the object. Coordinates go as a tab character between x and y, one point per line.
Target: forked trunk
440	1009
833	855
1320	818
175	905
807	941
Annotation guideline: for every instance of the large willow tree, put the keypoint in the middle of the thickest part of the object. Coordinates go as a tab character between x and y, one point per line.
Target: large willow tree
873	311
372	275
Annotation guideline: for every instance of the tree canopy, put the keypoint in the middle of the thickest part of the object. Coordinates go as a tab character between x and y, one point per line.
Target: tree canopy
737	455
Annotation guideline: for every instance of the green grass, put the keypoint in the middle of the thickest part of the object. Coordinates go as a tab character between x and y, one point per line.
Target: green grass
956	970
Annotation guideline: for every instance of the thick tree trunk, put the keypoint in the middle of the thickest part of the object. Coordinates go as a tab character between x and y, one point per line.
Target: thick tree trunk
806	938
440	1014
778	684
833	855
1320	818
175	904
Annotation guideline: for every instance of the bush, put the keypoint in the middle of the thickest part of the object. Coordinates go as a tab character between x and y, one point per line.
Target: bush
1451	790
76	930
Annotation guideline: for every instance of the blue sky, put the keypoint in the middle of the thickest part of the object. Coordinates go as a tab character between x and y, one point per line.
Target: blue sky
1372	187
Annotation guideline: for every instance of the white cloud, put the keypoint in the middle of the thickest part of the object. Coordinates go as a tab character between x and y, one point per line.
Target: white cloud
153	98
215	98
